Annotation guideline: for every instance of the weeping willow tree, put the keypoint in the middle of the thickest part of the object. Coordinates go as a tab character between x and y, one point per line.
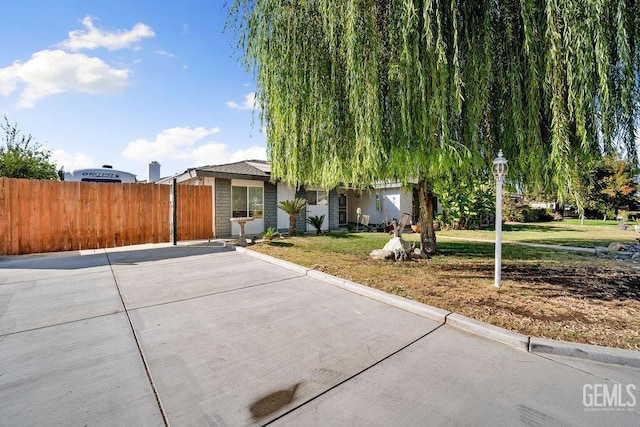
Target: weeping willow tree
356	91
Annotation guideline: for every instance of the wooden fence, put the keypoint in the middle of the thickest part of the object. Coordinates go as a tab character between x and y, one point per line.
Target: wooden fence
49	216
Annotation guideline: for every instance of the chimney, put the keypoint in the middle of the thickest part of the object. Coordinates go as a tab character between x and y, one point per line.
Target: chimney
154	172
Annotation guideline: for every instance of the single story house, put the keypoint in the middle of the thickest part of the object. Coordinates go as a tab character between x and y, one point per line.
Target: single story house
243	189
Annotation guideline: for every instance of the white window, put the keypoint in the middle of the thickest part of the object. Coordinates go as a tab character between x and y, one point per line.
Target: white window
317	198
246	202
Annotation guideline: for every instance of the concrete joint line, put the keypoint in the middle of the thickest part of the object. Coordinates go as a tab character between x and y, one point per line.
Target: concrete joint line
529	344
137	340
214	293
311	399
62	323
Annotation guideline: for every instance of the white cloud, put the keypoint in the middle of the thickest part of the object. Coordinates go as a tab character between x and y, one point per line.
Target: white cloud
71	161
183	143
251	153
52	71
178	142
49	72
165	53
248	104
92	37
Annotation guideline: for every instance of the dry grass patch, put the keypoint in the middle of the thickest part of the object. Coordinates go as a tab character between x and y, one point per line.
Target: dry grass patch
546	293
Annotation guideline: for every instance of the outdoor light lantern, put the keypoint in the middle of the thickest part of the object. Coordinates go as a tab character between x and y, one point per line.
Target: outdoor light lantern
499	171
500	167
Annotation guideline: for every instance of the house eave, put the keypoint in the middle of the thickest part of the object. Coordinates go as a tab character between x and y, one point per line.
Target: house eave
225	175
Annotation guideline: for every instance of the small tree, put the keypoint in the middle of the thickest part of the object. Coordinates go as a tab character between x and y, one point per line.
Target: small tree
610	185
292	208
22	157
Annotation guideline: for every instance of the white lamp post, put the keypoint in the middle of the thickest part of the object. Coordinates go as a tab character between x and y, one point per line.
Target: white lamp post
499	171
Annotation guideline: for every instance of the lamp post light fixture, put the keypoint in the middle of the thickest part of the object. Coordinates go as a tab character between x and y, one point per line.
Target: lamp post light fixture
499	172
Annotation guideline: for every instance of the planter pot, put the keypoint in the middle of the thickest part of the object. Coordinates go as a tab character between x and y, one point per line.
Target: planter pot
415	228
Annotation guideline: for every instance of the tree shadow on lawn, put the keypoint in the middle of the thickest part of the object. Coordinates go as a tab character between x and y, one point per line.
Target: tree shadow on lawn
342	235
531	227
279	244
509	251
553	273
594	282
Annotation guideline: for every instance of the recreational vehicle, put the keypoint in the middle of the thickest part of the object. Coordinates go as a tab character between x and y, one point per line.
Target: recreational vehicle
104	174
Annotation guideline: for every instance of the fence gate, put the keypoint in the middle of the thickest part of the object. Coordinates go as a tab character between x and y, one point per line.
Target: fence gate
49	216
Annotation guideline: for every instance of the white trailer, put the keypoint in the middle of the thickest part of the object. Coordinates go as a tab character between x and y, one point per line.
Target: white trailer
104	174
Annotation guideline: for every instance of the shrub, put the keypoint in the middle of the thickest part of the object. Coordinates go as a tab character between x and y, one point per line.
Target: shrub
316	221
465	205
514	211
270	234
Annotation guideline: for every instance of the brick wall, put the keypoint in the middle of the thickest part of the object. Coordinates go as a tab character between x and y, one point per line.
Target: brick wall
301	222
333	210
223	207
270	205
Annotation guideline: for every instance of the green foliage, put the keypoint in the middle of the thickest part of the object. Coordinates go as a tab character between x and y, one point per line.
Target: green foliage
624	216
270	233
292	208
412	89
516	211
609	184
466	205
22	157
316	221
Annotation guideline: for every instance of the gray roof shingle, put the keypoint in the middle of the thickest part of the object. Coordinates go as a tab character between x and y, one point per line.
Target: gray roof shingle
248	168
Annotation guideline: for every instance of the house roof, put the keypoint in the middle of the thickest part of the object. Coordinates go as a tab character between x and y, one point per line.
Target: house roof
246	169
253	168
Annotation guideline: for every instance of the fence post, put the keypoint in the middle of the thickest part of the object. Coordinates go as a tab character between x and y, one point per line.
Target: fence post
174	211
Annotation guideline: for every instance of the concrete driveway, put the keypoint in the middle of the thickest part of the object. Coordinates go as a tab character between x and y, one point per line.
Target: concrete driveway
200	334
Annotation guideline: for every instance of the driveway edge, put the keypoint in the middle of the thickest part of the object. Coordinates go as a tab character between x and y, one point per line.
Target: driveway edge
610	355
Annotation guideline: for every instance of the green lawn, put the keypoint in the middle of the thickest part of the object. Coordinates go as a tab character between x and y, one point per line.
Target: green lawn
562	233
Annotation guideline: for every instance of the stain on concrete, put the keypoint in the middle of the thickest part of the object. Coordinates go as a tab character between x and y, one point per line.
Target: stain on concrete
272	402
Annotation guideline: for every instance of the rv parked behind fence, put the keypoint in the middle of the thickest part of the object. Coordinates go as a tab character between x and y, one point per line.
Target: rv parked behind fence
104	174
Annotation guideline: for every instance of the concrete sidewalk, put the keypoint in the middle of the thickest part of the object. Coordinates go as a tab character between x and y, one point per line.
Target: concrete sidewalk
201	334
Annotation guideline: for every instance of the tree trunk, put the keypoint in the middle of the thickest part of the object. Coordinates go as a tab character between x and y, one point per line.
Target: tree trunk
427	210
293	219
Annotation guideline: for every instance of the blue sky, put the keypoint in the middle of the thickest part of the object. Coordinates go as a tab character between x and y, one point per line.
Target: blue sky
127	82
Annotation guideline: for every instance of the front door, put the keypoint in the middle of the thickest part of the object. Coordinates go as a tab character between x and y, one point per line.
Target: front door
342	210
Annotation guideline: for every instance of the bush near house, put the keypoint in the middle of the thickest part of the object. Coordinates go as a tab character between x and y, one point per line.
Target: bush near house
316	222
515	211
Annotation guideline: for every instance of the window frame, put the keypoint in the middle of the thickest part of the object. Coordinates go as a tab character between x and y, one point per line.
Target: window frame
324	199
247	189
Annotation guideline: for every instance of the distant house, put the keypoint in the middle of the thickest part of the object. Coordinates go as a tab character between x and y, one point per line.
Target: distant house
243	189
